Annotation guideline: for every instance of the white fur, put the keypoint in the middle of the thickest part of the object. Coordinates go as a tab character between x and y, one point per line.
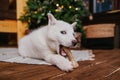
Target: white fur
44	42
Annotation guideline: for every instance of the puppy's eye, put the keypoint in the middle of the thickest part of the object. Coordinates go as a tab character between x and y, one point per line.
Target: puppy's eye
63	32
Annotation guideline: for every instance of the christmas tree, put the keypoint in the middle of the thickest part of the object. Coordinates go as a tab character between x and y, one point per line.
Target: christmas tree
67	10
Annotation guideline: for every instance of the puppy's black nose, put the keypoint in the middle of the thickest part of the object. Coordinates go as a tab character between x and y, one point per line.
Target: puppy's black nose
74	42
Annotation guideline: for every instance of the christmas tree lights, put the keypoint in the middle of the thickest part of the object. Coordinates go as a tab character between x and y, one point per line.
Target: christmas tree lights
67	10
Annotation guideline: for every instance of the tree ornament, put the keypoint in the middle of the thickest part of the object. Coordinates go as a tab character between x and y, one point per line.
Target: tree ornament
39	9
60	8
91	17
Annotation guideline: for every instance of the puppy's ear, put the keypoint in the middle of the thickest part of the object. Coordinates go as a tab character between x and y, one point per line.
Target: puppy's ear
74	25
51	19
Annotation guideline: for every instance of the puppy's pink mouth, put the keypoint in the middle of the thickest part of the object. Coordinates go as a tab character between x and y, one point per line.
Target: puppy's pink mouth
62	51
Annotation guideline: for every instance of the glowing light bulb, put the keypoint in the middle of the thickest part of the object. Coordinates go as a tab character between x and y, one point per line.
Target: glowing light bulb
57	5
76	9
56	10
35	12
62	6
70	7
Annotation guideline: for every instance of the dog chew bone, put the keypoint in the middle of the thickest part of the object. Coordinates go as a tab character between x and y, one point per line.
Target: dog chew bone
70	57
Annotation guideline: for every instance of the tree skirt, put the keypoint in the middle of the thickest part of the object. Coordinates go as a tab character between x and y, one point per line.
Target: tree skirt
11	55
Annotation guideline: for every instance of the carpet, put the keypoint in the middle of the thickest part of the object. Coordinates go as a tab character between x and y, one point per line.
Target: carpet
12	55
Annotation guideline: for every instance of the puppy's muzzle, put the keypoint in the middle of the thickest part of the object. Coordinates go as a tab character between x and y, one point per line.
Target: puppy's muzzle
74	42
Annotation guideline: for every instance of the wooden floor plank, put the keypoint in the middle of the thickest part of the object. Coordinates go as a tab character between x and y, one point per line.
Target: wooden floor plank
105	67
114	76
94	71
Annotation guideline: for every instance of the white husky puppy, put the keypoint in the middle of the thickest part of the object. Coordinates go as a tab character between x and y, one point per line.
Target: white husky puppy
44	43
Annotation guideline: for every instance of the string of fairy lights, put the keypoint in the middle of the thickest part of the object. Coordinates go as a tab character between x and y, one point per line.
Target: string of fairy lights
67	10
59	8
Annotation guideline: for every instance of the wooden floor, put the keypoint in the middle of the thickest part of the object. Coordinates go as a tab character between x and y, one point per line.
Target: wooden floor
105	67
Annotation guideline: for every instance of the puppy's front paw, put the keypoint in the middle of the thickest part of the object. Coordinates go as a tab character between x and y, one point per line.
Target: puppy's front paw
61	62
65	65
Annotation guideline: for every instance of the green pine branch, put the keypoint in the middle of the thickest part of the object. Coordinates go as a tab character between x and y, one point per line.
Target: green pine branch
67	10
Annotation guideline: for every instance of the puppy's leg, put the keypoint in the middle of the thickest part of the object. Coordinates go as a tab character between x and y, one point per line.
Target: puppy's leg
61	62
